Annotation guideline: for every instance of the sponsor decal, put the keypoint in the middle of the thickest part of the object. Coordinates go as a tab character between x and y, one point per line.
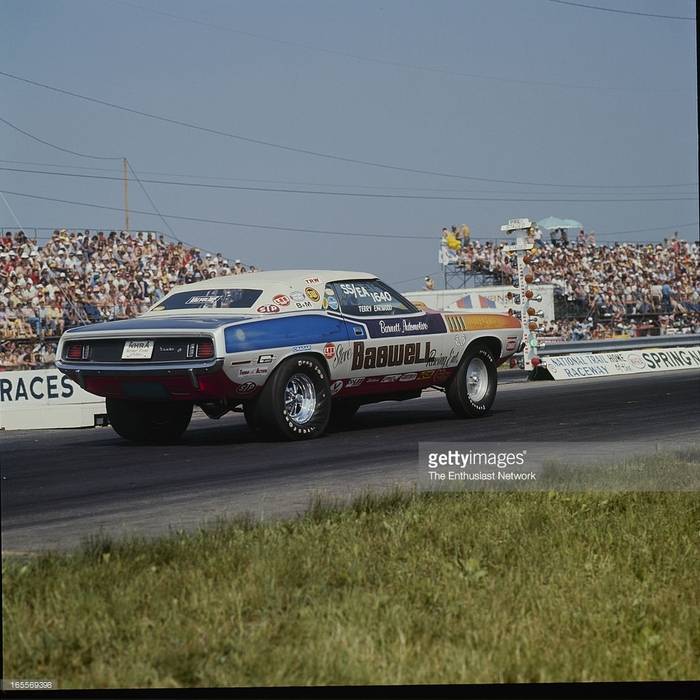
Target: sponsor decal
268	309
336	386
301	348
511	342
251	371
296	296
312	294
303	304
342	355
425	324
312	280
449	360
404	325
203	300
247	388
355	381
426	374
265	359
281	299
409	377
391	378
390	355
373	380
329	351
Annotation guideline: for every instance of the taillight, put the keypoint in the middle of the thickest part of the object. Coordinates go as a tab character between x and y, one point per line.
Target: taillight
205	349
77	351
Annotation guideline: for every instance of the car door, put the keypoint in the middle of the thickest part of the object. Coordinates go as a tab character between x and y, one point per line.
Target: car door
401	343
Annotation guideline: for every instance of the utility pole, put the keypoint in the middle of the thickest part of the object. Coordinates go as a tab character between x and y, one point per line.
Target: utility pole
126	194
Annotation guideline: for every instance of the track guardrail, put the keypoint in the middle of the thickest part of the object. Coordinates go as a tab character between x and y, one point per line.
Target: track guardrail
649	341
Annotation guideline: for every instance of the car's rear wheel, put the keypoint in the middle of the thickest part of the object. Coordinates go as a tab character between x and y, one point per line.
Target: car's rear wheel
149	421
295	402
472	389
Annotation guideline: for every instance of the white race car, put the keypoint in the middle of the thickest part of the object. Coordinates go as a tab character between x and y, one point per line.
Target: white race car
294	350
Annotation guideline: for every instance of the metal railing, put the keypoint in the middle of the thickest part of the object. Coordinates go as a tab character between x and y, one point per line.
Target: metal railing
612	345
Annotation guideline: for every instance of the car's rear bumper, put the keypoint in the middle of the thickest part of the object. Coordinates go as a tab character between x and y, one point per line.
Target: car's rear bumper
195	381
79	371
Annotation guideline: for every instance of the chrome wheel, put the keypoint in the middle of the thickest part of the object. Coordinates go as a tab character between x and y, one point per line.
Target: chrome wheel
477	379
300	398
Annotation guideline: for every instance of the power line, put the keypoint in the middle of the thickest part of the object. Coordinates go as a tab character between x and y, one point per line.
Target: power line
620	12
294	229
370	195
378	61
283	147
88	155
53	145
219	221
153	204
325	184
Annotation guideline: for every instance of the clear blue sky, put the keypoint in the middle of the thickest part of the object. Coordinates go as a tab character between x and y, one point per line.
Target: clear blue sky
525	90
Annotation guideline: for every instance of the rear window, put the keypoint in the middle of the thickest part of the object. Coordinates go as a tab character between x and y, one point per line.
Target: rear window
210	299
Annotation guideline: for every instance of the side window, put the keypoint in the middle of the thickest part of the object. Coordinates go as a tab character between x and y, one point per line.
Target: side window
371	298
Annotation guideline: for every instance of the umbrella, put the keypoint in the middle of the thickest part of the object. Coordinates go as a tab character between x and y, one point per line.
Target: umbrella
552	222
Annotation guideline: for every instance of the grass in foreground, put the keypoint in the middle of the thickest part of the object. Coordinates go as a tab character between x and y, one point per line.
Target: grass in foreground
405	588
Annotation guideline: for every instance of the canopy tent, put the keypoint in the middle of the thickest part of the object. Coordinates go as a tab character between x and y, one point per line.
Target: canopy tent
552	222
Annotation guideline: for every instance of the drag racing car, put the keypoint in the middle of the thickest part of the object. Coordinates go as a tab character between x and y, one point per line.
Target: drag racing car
294	351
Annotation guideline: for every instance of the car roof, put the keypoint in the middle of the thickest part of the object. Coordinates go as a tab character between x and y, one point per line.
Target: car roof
274	278
299	290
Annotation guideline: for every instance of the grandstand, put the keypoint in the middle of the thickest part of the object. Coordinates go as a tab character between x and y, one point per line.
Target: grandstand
78	277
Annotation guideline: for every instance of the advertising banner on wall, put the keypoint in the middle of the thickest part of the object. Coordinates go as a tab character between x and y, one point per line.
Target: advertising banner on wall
603	364
45	398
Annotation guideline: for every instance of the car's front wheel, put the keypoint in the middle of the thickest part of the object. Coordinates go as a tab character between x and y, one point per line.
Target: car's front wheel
149	421
472	389
295	402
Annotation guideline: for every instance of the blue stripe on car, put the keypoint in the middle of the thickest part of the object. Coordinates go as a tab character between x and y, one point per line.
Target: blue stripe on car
289	331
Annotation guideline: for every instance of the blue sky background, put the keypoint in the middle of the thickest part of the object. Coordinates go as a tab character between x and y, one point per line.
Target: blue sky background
555	94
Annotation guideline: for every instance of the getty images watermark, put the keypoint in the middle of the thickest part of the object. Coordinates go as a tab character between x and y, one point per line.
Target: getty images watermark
562	466
479	465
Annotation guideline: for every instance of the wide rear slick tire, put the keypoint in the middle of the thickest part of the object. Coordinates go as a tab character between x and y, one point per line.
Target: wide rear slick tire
472	389
295	403
149	421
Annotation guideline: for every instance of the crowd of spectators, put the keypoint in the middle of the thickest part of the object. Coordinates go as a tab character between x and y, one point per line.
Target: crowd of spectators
79	277
601	290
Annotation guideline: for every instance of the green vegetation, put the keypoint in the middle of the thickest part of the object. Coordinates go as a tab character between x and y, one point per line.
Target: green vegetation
403	588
